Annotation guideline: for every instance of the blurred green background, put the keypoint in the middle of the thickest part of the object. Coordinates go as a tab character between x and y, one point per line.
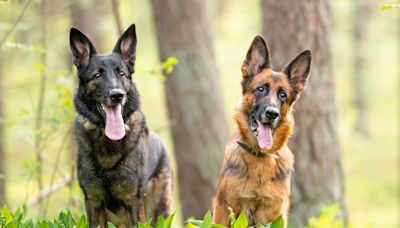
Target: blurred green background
371	162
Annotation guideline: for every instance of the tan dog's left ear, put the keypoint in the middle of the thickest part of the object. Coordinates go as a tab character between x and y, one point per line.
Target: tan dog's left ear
257	57
298	70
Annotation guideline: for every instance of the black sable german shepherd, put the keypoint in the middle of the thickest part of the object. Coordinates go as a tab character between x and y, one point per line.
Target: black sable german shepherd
123	168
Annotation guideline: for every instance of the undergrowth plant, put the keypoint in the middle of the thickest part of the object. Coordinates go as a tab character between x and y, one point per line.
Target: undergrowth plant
65	219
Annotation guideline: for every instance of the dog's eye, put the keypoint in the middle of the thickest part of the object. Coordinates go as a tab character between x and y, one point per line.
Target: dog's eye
261	89
121	73
97	75
282	96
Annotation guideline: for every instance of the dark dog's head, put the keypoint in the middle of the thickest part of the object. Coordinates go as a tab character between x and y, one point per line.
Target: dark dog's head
106	94
268	95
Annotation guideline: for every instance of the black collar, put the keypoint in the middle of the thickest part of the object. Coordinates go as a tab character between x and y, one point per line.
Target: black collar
248	149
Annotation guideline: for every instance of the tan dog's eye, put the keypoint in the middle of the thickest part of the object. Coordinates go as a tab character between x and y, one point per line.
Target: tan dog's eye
282	96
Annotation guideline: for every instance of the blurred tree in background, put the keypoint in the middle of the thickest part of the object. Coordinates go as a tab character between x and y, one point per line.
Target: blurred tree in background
362	14
2	151
194	99
291	26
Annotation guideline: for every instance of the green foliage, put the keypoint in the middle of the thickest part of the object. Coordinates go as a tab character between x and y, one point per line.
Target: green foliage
239	222
160	70
329	217
37	49
390	6
17	219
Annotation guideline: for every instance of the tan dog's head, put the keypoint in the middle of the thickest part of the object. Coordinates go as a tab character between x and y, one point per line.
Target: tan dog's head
264	117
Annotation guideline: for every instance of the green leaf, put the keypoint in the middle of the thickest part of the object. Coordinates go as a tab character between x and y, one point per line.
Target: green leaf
168	221
207	220
232	217
278	223
160	222
39	67
110	225
81	222
389	6
7	215
241	221
141	225
195	222
190	225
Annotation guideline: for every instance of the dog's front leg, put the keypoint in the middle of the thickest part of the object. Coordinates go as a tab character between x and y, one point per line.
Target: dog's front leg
141	210
96	216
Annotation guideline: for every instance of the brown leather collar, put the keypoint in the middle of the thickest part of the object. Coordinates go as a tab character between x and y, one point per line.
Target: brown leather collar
247	148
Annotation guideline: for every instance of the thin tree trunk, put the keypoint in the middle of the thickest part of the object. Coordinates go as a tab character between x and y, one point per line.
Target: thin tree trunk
291	26
3	197
361	16
40	107
194	100
116	15
85	18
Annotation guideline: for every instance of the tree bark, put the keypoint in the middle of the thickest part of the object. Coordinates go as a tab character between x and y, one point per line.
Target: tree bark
84	17
291	26
362	13
40	107
194	99
3	197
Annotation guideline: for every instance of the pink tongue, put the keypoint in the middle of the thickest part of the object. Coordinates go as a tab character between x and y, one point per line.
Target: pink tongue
115	129
264	137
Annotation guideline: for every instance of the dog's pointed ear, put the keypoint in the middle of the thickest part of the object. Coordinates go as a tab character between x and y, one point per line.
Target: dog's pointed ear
257	57
81	47
126	45
298	70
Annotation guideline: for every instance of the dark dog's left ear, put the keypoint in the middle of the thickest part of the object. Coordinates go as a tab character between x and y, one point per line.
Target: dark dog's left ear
126	45
298	70
81	47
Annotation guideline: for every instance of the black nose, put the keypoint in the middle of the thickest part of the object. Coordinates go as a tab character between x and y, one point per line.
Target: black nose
271	113
116	95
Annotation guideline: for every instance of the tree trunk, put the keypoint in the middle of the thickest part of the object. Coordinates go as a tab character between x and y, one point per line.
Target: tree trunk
41	106
85	18
362	13
194	99
3	197
291	26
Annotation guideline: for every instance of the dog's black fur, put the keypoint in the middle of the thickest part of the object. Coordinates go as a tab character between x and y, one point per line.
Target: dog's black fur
124	179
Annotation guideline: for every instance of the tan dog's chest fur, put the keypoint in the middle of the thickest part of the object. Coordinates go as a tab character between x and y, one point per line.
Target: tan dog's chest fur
261	190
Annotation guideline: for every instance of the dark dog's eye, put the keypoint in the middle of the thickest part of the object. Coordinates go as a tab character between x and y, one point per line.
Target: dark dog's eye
282	96
121	73
261	89
97	75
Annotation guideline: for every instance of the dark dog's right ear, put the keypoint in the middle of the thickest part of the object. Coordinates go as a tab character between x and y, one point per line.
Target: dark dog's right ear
257	57
126	45
81	47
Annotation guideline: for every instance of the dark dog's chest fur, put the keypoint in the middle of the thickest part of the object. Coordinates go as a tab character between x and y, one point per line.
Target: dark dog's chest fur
111	171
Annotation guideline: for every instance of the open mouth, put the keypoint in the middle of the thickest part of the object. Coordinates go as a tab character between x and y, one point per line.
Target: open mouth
263	132
115	127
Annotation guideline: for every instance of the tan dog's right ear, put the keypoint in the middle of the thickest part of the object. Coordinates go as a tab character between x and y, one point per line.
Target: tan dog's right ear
257	57
298	70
